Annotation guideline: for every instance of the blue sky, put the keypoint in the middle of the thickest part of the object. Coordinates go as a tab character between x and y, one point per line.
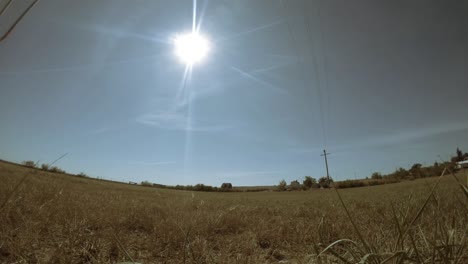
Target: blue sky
379	85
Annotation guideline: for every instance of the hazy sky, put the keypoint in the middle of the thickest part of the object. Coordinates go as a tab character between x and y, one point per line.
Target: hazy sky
379	84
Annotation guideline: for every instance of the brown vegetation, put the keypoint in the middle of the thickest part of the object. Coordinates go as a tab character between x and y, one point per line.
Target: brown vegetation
58	218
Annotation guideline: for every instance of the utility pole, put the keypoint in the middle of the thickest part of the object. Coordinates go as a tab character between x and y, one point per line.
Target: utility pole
326	165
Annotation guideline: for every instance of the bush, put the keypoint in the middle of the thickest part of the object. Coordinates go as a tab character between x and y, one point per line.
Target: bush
146	183
203	188
376	182
309	182
29	163
282	186
323	182
45	167
376	176
82	174
349	184
56	170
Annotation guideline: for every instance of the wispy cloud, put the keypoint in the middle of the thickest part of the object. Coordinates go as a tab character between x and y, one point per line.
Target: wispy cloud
245	174
385	140
403	136
150	163
177	120
250	76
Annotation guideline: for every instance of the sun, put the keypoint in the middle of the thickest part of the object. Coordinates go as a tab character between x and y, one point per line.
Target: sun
191	48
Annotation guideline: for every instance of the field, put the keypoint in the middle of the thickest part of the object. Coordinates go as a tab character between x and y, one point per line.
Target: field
57	218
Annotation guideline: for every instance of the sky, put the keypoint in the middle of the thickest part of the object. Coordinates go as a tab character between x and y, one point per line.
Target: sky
378	84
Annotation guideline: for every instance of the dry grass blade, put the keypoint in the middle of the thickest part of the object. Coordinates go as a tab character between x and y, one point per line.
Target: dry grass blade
368	257
123	248
16	188
366	246
341	241
334	253
5	7
400	254
416	217
462	186
4	36
13	191
400	232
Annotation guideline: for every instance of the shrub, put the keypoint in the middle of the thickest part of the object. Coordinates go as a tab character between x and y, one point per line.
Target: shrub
203	188
349	184
146	183
29	163
375	182
323	182
376	176
56	170
82	174
226	186
282	186
45	167
309	182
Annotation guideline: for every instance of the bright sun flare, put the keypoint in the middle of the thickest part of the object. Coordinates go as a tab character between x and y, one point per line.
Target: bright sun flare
191	48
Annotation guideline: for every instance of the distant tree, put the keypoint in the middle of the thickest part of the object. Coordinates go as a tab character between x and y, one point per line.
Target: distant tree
82	174
400	174
203	188
459	155
309	182
282	185
45	167
376	176
295	185
146	183
226	186
56	170
323	182
415	171
29	163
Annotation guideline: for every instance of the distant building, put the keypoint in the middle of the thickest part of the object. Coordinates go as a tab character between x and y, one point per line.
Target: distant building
226	186
132	183
462	164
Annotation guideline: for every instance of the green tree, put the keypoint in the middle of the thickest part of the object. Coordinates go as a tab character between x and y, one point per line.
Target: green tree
282	185
323	182
376	176
45	167
29	163
309	182
459	155
415	170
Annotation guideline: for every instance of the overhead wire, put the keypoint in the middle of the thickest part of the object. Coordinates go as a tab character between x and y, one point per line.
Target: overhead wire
317	75
315	66
324	53
293	43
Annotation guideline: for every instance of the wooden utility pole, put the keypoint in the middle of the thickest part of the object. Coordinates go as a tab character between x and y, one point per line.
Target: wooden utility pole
326	165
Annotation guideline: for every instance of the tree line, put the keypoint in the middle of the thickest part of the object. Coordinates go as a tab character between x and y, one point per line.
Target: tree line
417	171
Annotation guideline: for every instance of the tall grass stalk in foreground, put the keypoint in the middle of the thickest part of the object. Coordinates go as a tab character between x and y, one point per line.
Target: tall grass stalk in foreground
449	250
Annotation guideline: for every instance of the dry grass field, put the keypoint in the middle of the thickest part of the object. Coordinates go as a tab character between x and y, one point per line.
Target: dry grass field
57	218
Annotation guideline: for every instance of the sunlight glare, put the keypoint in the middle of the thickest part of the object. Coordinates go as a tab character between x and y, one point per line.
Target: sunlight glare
191	48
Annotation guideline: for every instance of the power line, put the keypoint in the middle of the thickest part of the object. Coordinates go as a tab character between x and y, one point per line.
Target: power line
293	43
317	75
325	65
61	157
